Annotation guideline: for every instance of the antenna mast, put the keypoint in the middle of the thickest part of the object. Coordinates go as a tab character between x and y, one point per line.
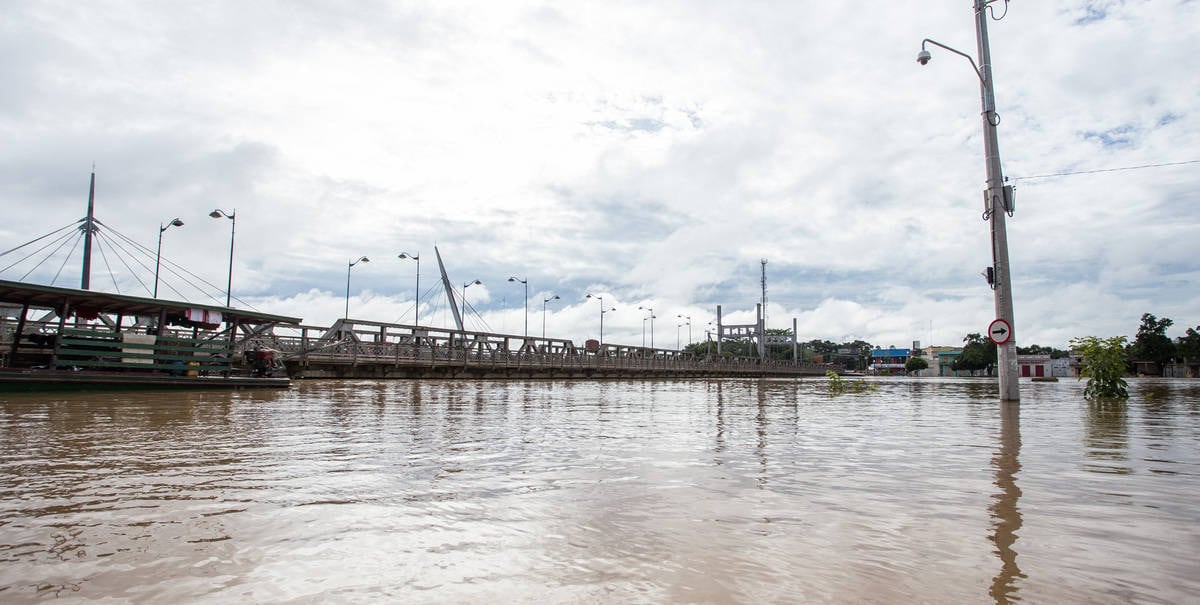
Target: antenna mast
764	291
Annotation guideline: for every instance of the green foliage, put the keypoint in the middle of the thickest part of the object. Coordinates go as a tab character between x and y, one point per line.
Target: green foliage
916	364
855	355
979	353
1152	343
1103	365
1188	346
838	385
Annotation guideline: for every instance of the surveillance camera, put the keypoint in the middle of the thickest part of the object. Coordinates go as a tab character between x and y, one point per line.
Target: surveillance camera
923	57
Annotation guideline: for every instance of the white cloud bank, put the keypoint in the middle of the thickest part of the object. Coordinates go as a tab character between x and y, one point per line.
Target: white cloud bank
651	152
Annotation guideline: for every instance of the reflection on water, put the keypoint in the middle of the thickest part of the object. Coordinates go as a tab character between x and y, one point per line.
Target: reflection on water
1006	515
643	491
1107	439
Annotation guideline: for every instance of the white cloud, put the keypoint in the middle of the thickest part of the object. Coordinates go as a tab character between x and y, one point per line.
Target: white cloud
654	151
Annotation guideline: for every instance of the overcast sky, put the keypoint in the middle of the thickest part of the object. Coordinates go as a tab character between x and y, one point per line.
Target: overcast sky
648	152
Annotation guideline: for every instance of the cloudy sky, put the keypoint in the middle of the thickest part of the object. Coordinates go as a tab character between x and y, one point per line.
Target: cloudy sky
648	152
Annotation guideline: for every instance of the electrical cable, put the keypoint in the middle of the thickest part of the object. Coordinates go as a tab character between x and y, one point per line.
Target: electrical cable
1046	176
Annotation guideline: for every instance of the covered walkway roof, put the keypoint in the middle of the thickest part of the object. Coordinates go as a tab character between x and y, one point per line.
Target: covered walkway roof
51	297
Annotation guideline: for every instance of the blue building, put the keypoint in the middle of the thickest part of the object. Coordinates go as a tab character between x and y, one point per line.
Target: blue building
889	361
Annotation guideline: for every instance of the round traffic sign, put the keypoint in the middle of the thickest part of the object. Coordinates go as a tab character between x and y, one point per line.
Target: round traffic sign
999	331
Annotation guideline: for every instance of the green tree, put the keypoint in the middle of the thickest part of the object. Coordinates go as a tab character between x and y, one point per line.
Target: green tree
1152	343
916	364
1103	365
1188	345
978	353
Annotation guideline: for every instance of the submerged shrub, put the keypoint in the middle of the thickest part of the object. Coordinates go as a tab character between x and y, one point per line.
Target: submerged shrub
1103	365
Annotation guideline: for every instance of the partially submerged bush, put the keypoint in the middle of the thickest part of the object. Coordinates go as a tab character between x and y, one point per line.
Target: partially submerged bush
837	384
1103	365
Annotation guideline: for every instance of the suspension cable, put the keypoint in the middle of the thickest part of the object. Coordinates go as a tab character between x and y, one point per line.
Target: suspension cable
70	253
42	237
63	237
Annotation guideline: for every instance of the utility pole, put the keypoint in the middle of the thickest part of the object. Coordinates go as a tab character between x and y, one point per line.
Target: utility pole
998	202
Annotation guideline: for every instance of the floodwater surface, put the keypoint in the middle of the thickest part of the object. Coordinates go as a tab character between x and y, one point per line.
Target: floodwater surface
718	491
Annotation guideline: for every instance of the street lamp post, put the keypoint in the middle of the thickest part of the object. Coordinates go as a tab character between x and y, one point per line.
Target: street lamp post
232	216
158	256
689	325
998	201
526	284
603	310
361	259
555	297
464	296
651	310
417	296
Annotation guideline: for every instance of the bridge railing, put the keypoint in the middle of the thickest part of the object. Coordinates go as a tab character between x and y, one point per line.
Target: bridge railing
356	342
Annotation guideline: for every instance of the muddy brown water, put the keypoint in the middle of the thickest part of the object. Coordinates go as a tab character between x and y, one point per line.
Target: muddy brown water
718	491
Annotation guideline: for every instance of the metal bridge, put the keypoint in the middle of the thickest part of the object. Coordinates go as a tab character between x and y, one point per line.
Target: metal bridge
347	349
113	331
367	349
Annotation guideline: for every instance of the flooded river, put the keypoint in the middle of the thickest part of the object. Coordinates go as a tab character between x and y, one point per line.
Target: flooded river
721	491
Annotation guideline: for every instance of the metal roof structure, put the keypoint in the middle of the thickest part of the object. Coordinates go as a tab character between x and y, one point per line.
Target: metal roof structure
51	297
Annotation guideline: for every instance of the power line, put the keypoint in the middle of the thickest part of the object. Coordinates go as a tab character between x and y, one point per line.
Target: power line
1046	176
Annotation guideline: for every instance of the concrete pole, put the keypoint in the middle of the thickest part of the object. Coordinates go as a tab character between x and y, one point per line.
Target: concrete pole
1006	353
795	348
720	331
762	332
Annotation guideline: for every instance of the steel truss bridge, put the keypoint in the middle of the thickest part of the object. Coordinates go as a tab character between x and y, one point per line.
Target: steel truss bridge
368	349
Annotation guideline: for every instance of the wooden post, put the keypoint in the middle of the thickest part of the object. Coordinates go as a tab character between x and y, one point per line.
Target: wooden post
12	355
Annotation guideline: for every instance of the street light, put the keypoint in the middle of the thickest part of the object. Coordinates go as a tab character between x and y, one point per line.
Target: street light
651	318
526	283
232	216
417	298
158	256
555	297
464	296
602	312
677	326
689	325
361	259
998	201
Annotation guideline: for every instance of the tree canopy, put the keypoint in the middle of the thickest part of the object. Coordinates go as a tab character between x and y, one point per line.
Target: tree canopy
1152	343
978	353
1188	346
915	364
